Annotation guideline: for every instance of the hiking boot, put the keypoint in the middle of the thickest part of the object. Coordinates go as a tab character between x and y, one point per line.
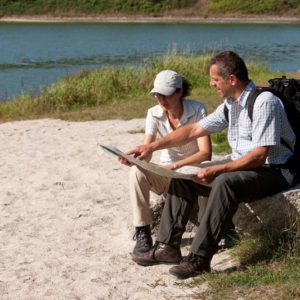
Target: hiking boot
191	265
159	253
143	239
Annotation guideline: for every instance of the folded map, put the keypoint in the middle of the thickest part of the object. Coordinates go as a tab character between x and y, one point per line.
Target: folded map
186	172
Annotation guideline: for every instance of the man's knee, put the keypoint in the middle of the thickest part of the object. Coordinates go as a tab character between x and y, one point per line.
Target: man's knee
226	179
179	187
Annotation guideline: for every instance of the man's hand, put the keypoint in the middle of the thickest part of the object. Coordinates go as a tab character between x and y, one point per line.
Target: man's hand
208	174
141	152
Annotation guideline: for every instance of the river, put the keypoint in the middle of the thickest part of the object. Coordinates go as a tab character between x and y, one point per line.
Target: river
35	55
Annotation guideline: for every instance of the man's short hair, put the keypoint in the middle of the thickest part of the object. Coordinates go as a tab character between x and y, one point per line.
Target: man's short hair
229	63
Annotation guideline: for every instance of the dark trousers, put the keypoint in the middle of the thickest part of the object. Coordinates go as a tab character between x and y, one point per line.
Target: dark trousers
227	191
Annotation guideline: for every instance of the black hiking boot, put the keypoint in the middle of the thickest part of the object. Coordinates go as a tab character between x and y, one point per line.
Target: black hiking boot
143	239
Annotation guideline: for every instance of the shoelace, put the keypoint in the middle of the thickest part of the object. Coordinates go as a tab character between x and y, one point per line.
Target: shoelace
192	258
141	233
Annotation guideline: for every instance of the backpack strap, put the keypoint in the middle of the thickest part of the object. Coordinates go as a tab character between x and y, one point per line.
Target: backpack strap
226	112
253	96
251	99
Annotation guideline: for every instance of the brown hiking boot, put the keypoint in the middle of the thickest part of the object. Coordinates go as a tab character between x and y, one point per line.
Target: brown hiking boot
191	265
159	253
143	239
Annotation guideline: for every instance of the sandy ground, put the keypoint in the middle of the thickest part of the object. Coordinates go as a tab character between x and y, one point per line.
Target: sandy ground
65	229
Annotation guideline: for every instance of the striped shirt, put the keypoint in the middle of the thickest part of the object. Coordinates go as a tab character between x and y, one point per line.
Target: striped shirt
269	126
158	125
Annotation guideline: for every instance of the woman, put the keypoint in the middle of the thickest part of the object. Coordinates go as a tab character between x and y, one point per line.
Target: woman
173	111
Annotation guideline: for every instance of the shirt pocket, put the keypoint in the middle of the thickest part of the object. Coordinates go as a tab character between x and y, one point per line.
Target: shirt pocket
245	130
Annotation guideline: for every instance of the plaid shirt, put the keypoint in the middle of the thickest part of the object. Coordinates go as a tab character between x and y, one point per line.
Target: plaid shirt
269	126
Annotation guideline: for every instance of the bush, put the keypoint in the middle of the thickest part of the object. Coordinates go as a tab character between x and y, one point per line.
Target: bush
90	6
253	6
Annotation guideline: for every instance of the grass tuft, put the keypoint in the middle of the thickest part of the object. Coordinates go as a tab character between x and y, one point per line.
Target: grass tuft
270	269
102	93
253	6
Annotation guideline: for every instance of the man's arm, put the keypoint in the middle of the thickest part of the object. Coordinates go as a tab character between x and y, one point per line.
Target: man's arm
147	140
178	137
254	159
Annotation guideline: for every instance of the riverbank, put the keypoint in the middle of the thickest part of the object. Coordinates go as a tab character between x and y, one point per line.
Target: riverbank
166	19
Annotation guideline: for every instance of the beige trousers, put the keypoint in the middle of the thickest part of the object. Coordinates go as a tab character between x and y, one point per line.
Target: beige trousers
141	183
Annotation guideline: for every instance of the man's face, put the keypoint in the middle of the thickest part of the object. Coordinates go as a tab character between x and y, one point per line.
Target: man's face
223	85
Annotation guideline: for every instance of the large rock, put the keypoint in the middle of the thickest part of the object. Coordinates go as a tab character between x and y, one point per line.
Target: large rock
273	214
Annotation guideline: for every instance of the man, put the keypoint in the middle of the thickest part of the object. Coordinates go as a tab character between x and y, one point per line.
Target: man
254	172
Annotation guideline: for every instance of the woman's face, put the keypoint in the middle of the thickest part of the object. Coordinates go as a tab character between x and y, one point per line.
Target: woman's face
168	102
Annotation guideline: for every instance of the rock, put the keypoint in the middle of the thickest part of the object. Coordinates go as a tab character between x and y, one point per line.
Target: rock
272	214
157	205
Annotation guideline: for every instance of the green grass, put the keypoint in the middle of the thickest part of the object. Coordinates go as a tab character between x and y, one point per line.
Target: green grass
253	6
152	7
269	270
54	7
110	93
276	280
219	141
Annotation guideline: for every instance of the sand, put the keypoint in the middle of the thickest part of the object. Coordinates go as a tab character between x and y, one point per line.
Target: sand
65	224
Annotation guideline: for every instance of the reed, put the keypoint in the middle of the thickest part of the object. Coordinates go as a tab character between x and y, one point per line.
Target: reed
118	86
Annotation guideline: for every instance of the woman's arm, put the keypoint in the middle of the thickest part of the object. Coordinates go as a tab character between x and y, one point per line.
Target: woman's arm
204	154
148	140
178	137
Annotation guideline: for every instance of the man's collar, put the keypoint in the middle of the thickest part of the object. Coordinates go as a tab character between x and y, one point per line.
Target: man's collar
242	99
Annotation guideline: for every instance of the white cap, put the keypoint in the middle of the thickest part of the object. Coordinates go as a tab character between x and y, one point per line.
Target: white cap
166	83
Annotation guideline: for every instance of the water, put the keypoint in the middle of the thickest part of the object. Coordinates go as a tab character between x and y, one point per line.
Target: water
36	55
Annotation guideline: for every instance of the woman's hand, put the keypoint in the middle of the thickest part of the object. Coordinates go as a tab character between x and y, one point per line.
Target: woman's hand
124	161
171	166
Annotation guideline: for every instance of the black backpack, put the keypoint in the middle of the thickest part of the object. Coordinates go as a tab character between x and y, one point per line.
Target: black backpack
288	90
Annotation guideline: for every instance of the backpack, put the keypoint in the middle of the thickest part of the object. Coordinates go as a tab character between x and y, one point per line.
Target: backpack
288	90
